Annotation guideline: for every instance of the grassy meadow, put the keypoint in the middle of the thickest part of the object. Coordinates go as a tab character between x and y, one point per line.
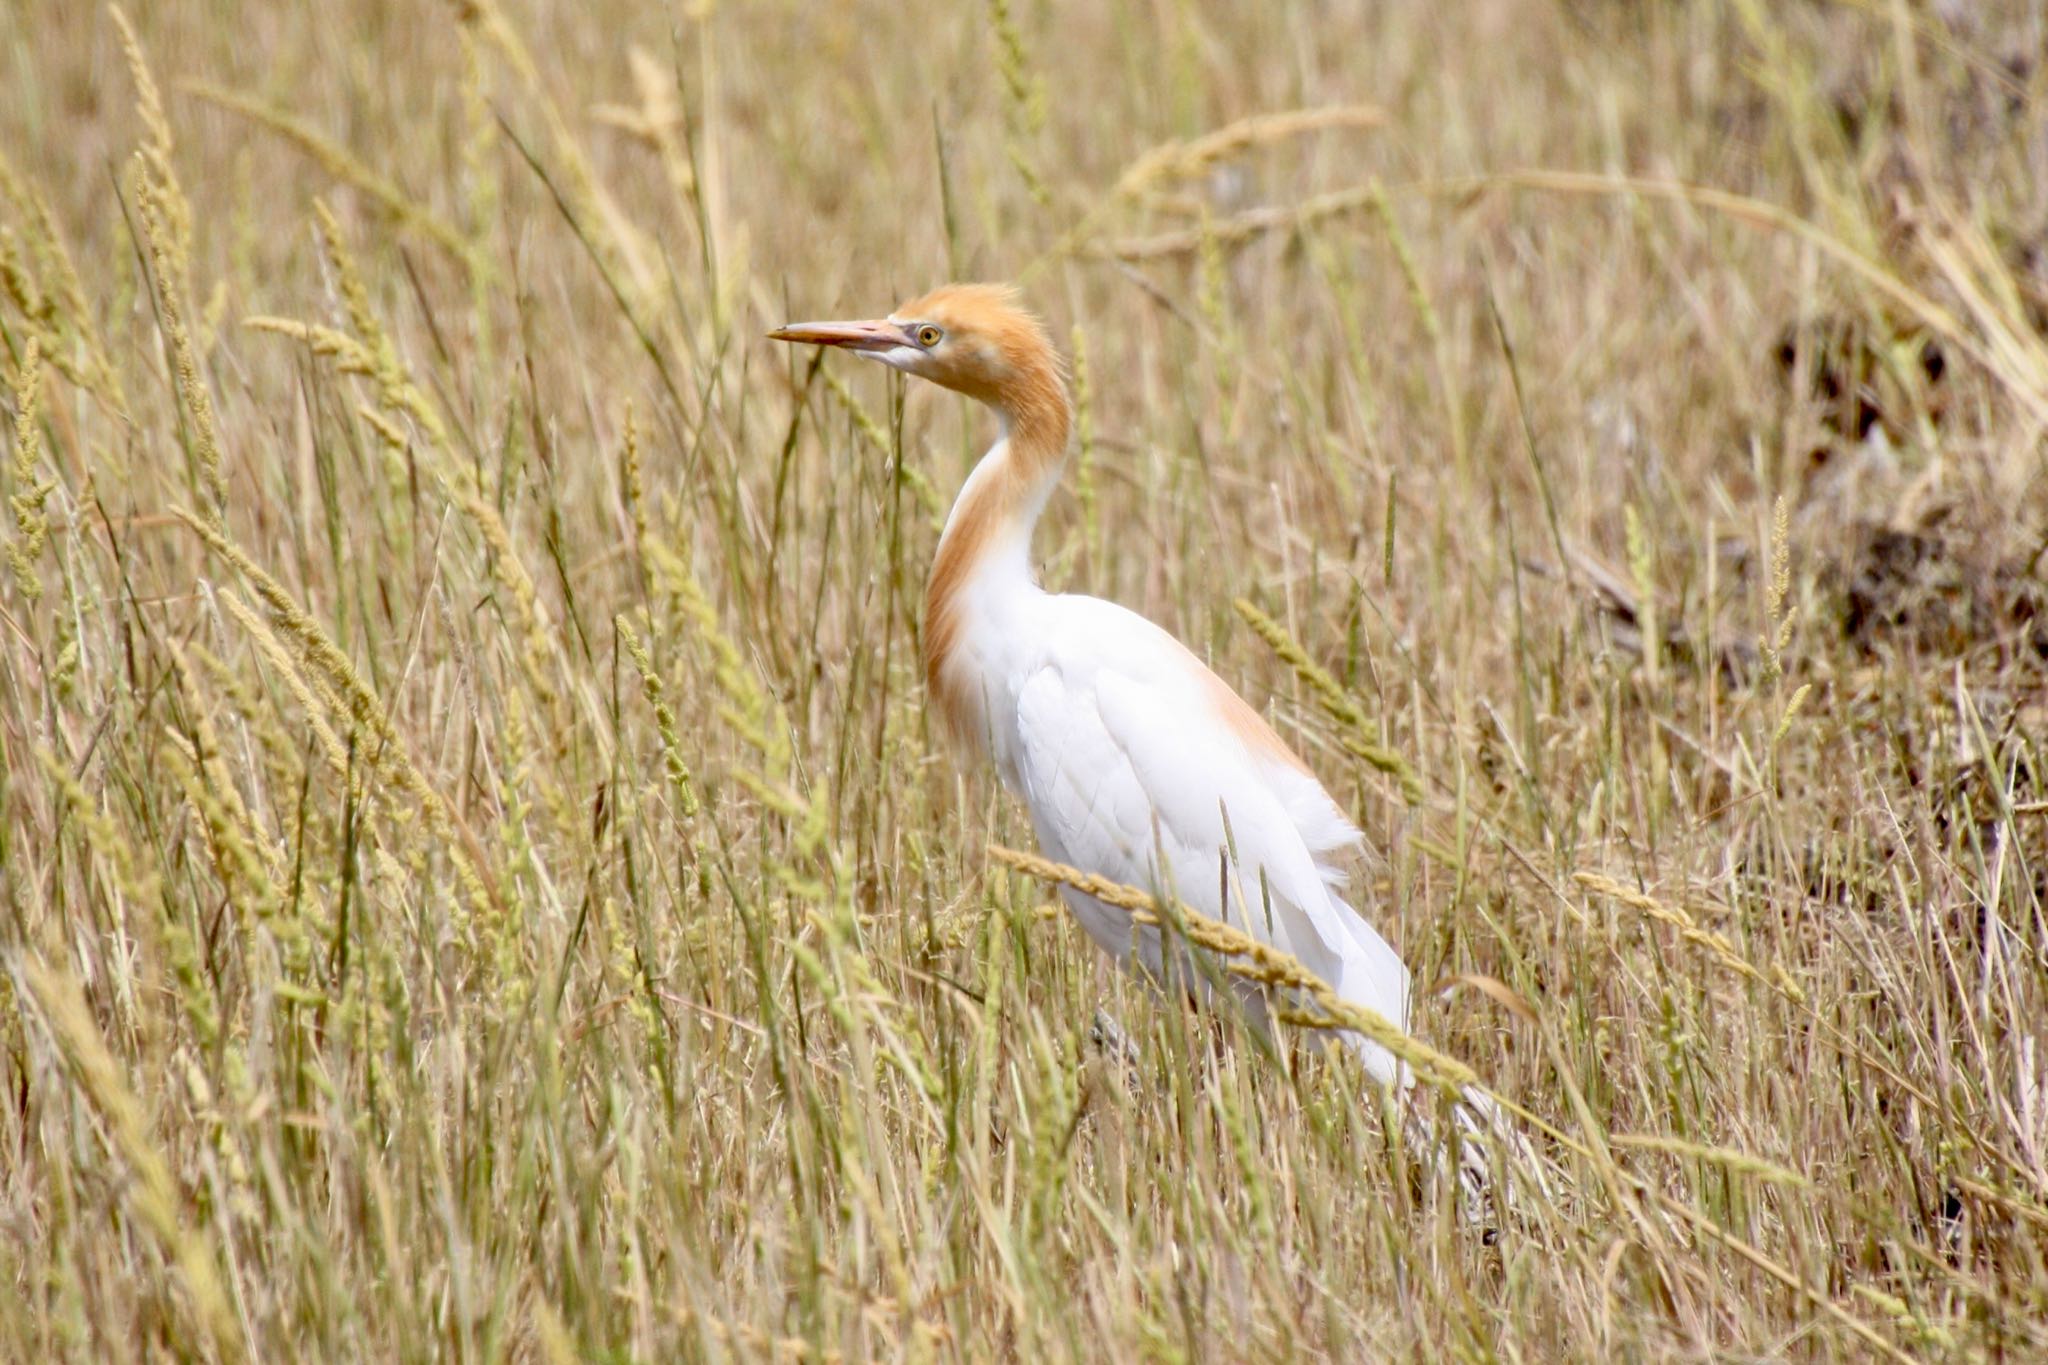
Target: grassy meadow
480	880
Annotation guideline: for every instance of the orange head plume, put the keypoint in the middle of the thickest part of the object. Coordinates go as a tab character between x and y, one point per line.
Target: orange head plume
975	339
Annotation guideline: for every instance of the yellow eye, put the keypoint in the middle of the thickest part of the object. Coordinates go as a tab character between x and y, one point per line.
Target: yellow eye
928	336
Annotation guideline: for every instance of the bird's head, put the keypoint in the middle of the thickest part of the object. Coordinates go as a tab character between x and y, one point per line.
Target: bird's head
975	339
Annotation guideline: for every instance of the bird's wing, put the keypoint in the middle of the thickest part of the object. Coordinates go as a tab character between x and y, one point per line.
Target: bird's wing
1131	768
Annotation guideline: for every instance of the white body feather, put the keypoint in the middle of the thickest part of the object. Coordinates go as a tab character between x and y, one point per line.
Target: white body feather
1114	737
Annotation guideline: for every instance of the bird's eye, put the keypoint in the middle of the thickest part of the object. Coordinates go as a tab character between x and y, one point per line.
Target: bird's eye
928	336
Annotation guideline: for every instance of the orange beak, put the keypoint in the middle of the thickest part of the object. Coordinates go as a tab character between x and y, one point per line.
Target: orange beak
879	335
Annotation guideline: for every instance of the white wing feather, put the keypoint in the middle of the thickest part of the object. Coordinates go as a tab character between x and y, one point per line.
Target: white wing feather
1129	769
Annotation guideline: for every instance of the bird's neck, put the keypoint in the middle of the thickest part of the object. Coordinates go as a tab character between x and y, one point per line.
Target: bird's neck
983	562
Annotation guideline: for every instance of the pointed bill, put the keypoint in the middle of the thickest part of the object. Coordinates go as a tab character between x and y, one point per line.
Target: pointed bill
877	335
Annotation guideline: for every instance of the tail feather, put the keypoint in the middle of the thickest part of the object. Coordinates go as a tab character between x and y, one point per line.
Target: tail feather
1374	976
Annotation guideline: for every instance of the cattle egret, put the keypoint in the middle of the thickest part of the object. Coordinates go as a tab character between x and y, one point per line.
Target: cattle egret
1136	762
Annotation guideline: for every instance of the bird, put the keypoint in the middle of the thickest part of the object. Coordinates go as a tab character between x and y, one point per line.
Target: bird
1136	762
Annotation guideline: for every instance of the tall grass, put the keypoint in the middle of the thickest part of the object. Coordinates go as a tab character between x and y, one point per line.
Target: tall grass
480	880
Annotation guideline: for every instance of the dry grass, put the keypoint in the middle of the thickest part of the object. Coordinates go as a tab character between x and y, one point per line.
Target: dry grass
480	880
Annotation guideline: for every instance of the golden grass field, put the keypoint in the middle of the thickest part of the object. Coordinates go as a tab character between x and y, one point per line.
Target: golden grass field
481	881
